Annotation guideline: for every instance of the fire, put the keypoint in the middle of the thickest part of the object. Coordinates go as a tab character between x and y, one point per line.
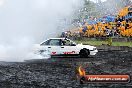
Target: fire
81	71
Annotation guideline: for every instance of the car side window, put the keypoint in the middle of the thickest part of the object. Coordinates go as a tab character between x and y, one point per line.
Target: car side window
67	43
54	42
45	43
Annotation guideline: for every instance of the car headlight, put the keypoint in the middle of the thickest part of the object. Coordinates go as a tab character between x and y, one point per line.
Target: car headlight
94	49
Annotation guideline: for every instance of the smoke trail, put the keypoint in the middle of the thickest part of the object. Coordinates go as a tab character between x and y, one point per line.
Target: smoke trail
25	22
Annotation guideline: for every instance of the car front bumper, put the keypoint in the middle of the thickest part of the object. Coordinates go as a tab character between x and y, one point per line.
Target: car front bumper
93	52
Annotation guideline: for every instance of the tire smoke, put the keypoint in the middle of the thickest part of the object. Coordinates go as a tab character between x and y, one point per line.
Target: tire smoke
26	22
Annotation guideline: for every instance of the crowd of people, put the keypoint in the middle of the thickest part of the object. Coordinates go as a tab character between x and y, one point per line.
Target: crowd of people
121	26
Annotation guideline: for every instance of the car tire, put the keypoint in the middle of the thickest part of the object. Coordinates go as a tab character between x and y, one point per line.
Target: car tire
84	53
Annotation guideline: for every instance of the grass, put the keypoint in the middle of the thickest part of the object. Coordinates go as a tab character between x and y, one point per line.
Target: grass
97	43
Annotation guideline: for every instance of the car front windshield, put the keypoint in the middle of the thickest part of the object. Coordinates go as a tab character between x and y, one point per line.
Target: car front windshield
73	43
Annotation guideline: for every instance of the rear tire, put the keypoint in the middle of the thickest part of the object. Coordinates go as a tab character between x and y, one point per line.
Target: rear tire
84	53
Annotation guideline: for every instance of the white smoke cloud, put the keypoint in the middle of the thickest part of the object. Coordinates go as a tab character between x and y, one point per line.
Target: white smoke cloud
95	1
25	22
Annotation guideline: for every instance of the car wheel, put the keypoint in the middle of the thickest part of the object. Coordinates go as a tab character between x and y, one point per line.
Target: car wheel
84	53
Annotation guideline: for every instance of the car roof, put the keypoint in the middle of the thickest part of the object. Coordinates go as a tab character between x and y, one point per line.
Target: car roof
56	38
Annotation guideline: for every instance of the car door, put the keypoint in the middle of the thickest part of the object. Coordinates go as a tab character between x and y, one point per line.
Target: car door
52	46
68	47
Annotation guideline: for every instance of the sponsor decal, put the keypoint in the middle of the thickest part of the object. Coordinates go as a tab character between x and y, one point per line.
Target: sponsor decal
53	53
73	52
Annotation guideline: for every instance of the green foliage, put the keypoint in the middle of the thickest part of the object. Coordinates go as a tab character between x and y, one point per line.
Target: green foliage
96	42
88	9
101	8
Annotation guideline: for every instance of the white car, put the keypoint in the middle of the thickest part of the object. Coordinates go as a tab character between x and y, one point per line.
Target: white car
64	46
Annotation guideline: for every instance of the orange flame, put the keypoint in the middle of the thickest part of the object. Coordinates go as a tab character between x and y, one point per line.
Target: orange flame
81	71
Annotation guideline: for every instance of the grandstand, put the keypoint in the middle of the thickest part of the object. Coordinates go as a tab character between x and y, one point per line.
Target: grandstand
108	26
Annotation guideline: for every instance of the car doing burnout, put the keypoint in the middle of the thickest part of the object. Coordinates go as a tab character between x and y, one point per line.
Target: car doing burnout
64	46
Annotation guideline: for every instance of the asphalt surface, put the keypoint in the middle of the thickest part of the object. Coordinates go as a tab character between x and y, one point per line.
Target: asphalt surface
61	72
